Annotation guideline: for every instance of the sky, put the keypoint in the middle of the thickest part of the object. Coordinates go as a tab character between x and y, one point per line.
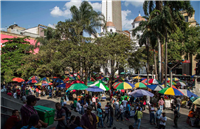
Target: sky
29	14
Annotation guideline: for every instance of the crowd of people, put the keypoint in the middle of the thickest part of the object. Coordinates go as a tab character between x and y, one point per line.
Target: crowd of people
89	106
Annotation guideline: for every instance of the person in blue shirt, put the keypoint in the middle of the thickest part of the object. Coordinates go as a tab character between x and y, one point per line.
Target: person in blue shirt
128	109
100	115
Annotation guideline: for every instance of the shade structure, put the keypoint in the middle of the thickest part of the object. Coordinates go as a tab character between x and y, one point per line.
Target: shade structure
43	83
197	101
124	86
100	84
141	93
78	86
176	79
155	87
116	83
136	77
100	77
90	83
17	79
188	93
34	78
77	81
154	81
62	85
180	84
32	81
94	89
140	85
171	91
122	73
69	78
58	80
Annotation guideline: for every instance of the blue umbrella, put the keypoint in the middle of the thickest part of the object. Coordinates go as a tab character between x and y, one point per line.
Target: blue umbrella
62	85
188	93
141	93
58	80
94	89
155	87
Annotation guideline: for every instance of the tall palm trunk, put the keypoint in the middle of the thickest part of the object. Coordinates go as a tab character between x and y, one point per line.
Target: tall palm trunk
112	73
155	64
166	60
162	64
147	48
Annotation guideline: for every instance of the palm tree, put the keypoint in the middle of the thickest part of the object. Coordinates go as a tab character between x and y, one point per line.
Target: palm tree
169	17
89	19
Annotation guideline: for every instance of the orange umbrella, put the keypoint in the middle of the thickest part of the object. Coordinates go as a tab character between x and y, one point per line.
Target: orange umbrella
17	79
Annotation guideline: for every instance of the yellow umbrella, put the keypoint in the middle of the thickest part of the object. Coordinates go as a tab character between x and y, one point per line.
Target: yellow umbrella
140	85
136	77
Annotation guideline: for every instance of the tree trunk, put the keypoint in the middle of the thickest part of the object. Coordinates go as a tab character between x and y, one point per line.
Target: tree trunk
159	60
155	64
112	74
85	82
166	61
162	64
147	47
138	75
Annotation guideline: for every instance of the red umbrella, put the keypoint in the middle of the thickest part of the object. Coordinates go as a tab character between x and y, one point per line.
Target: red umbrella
68	85
17	79
77	81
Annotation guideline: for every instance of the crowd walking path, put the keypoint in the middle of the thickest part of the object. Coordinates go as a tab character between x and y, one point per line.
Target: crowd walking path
145	120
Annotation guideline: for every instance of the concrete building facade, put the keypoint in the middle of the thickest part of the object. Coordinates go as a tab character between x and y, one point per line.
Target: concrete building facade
111	9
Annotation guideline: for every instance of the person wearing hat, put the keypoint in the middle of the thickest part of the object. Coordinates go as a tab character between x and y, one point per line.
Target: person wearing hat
88	120
27	110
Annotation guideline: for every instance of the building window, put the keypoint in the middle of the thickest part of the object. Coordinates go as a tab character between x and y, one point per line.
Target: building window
133	25
111	30
186	18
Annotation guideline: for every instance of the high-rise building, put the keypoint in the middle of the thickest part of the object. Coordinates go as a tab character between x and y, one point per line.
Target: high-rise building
111	9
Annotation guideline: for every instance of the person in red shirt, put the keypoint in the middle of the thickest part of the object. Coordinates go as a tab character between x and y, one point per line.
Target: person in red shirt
18	93
13	120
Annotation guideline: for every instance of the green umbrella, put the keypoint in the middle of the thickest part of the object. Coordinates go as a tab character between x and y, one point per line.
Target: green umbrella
101	85
122	73
78	86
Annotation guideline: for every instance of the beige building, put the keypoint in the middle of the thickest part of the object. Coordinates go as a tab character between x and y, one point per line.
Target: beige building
192	59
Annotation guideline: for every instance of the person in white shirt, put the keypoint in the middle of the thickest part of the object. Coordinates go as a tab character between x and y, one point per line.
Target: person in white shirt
78	107
124	102
94	102
163	120
158	114
15	95
116	105
121	112
152	115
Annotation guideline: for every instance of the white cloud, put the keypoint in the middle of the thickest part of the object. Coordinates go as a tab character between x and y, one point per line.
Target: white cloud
52	26
56	11
126	23
136	3
3	29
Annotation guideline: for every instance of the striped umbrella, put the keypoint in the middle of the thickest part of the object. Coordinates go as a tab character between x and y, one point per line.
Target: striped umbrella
155	87
176	79
100	84
116	83
171	91
78	86
154	81
140	85
124	86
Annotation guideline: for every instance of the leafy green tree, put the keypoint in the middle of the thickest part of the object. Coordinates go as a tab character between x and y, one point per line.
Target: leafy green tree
12	55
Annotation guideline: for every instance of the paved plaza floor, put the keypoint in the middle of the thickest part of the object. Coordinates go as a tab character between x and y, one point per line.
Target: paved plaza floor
145	120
